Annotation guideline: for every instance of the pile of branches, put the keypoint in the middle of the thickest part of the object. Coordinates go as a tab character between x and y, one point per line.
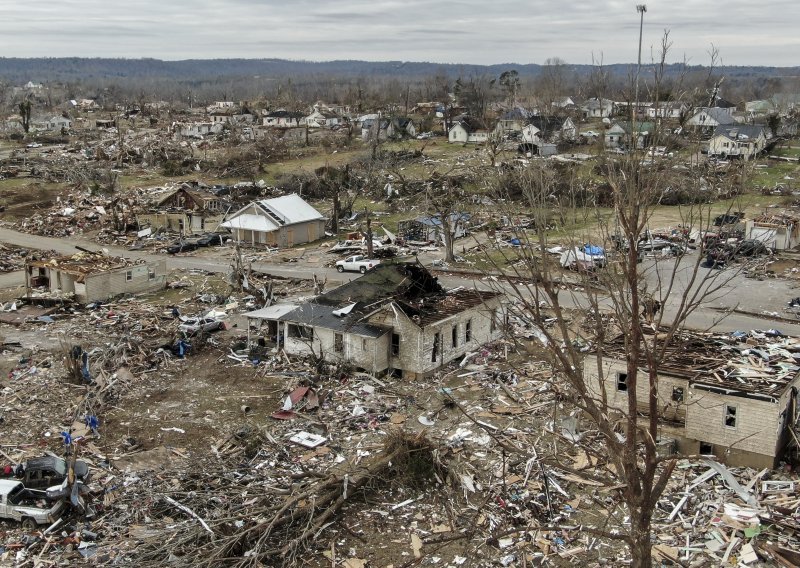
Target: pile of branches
275	524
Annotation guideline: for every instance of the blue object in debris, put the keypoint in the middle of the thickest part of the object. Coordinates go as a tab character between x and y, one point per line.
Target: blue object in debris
516	242
67	438
92	422
183	347
592	250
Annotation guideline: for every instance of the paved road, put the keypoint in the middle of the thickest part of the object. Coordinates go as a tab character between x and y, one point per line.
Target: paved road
768	296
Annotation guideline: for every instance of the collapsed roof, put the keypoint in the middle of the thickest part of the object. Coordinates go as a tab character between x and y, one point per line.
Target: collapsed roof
758	364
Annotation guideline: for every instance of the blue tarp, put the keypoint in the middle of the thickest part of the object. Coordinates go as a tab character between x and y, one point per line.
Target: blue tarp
593	250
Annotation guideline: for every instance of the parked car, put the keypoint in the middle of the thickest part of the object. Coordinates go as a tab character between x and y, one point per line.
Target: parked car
212	240
193	326
19	504
47	471
357	263
183	246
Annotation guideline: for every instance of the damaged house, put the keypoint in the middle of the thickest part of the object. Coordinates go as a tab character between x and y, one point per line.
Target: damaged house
279	222
778	231
186	210
428	228
733	396
394	319
93	276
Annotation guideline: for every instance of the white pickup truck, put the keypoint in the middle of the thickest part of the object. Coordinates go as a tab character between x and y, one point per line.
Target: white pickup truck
357	263
18	503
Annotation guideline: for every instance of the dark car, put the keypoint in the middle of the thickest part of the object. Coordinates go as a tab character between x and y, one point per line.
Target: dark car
186	246
47	471
212	240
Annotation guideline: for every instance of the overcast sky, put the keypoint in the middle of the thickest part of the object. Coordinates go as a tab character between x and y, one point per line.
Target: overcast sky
465	31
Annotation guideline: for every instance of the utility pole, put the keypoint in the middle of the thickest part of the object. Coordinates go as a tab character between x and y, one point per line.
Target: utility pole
641	8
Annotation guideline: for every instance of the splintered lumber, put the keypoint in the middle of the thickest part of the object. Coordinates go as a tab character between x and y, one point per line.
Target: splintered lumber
287	526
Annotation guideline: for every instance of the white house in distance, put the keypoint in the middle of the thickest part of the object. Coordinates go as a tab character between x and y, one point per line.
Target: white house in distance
598	108
667	109
710	118
284	119
740	141
280	222
54	123
468	131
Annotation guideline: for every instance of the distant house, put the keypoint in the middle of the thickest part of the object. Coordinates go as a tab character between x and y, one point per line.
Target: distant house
708	118
428	228
563	102
667	109
401	127
54	123
740	141
622	135
395	319
186	210
94	276
284	119
199	129
597	108
549	128
280	222
323	119
231	115
376	128
468	131
513	121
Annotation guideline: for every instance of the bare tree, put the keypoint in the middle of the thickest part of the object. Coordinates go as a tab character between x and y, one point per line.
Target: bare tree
641	307
446	204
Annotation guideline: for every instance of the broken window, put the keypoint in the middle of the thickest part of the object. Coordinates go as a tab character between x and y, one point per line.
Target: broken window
706	449
622	382
300	331
395	344
468	331
730	416
363	344
338	343
151	274
493	321
677	394
129	275
454	334
435	351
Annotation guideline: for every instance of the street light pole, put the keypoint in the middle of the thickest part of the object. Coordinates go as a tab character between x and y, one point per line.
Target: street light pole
641	8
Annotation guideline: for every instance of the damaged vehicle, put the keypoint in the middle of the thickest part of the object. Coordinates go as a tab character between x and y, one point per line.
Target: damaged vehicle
193	326
19	504
47	471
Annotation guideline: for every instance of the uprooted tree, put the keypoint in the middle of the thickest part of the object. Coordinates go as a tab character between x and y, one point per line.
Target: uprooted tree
618	305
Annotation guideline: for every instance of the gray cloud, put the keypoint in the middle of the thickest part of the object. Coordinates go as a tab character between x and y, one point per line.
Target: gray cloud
464	31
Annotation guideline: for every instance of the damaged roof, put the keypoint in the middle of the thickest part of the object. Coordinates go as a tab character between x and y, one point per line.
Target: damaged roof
410	286
755	363
85	263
